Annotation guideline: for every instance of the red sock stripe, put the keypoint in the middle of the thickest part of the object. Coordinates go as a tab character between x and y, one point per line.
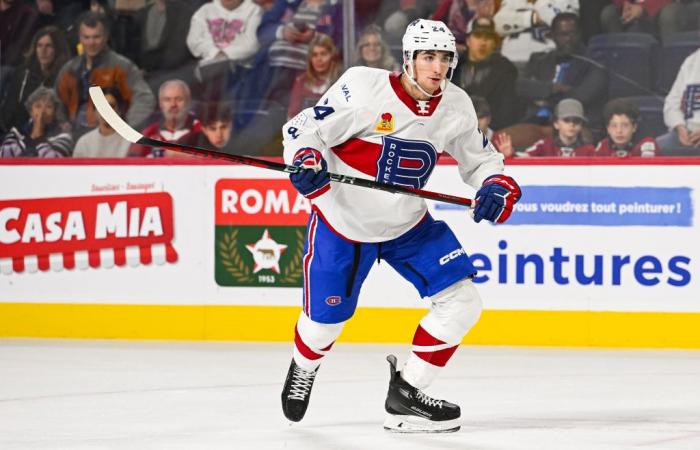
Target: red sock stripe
422	337
438	358
303	348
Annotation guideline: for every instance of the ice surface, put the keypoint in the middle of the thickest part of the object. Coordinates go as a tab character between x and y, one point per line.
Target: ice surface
215	395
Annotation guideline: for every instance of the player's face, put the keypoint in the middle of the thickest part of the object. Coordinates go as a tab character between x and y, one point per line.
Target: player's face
431	68
217	133
621	129
569	128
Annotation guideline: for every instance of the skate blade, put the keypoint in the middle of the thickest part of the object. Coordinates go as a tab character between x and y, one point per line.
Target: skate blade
413	424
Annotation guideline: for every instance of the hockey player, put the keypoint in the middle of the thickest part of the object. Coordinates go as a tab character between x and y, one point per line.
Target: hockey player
392	128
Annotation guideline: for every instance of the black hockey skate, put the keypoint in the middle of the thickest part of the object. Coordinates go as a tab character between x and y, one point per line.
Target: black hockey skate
296	392
411	411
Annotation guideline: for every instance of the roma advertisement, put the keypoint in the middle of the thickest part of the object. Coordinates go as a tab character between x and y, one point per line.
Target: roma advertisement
259	233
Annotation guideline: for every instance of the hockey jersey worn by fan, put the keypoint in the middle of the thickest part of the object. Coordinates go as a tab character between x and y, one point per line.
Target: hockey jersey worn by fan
552	146
368	126
645	147
682	105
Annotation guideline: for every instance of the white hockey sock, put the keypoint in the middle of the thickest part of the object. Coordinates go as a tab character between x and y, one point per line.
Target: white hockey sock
313	340
453	312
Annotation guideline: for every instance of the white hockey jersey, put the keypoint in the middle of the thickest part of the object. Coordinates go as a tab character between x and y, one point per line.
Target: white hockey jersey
367	126
514	21
682	105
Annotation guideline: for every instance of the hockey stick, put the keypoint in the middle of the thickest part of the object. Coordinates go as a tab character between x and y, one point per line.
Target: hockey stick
133	136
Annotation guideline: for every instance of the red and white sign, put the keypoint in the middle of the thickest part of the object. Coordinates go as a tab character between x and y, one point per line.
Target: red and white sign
88	231
258	202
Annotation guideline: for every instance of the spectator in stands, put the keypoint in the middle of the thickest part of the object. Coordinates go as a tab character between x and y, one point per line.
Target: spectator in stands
502	141
101	66
366	13
286	30
589	14
59	13
44	136
176	124
372	51
682	107
395	15
163	27
524	24
266	5
18	20
557	74
216	126
460	15
643	16
622	117
321	71
485	72
47	54
284	35
690	12
103	141
567	138
222	36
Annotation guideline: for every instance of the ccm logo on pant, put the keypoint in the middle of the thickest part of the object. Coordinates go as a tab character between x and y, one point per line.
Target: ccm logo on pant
452	255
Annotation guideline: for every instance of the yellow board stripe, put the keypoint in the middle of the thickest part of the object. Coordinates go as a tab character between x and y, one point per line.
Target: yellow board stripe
380	325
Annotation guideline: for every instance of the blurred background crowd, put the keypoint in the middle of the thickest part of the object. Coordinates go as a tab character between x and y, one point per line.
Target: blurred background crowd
548	78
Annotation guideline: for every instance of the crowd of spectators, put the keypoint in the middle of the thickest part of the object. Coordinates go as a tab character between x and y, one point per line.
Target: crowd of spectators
225	74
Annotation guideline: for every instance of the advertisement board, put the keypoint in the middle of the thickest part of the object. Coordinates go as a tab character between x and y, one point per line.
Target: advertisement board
224	243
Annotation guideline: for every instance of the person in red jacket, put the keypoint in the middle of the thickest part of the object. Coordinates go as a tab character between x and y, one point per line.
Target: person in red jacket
566	139
175	124
622	117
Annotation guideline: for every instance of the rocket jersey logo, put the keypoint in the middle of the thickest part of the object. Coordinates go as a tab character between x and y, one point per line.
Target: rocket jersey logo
406	162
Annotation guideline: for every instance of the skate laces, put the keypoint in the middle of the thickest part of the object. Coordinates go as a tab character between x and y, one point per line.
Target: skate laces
428	400
302	381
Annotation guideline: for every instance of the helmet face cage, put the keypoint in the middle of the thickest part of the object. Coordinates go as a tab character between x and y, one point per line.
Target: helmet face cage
422	34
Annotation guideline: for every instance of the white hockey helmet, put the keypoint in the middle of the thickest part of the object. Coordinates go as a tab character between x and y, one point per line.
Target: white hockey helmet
423	34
